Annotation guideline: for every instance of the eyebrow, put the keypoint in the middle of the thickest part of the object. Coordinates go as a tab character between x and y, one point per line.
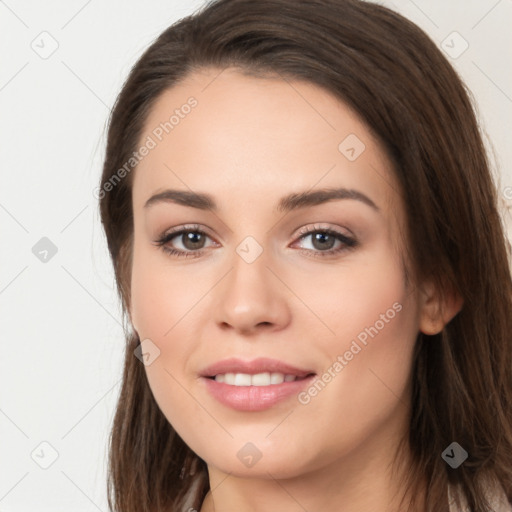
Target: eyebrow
293	201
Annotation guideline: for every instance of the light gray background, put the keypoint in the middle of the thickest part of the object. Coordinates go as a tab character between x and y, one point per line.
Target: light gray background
62	342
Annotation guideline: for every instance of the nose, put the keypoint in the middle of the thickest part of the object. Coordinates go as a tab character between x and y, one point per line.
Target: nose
252	297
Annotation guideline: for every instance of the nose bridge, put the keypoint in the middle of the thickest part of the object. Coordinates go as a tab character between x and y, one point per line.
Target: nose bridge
250	294
249	278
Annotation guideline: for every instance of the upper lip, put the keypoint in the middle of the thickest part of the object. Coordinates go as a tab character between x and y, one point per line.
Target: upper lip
260	365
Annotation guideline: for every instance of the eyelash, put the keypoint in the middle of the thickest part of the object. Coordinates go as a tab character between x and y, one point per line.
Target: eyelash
349	243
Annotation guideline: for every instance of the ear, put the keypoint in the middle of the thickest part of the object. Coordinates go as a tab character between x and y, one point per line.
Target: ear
437	308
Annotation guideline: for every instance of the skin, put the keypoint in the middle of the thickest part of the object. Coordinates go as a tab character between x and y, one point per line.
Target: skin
248	142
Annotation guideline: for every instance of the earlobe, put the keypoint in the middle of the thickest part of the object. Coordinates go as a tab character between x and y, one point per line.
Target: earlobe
437	309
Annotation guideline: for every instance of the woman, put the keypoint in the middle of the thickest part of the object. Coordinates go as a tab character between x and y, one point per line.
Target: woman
264	371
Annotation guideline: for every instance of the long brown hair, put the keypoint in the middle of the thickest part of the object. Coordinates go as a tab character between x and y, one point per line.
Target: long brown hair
405	90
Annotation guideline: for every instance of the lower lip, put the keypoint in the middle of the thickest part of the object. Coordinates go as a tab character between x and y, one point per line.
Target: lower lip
254	398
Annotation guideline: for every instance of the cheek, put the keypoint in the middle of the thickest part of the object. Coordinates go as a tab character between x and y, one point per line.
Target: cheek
368	354
376	328
363	298
161	297
363	392
163	311
163	302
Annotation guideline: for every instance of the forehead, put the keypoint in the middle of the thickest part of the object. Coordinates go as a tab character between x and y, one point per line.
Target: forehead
244	139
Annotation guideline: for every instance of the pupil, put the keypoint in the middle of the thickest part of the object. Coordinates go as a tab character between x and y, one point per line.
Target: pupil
321	237
191	237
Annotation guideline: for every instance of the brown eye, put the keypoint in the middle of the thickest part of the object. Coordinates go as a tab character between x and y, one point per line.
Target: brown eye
324	240
192	240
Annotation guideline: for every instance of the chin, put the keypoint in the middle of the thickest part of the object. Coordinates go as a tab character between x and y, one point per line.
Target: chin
252	460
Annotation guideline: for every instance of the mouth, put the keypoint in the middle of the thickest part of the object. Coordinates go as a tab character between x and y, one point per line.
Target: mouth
254	385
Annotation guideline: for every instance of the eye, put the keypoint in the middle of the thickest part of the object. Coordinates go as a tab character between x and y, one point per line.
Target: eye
324	241
192	239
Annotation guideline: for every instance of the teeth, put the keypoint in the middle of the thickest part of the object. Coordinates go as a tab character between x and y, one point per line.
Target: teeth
276	378
242	379
259	379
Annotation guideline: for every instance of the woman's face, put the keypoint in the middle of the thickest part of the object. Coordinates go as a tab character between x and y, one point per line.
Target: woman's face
299	300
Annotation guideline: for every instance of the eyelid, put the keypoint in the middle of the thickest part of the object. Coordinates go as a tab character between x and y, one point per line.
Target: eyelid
317	226
174	232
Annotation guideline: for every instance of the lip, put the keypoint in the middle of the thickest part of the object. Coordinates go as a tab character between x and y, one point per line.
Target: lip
254	398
